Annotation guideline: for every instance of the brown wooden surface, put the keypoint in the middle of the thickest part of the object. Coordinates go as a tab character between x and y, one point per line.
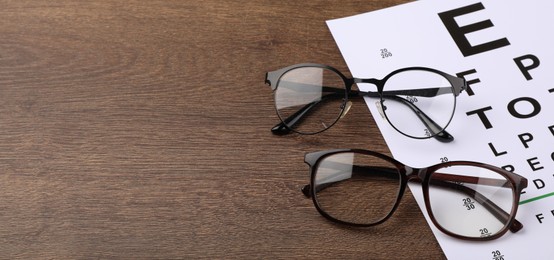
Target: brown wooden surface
140	129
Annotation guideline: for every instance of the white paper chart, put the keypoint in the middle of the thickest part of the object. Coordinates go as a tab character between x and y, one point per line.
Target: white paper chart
504	49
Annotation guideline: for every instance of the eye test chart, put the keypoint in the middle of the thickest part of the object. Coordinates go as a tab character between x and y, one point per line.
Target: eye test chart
505	51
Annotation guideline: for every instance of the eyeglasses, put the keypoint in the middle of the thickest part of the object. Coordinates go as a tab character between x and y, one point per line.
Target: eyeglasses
466	200
418	102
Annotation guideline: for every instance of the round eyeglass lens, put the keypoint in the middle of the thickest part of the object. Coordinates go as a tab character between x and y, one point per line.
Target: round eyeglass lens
310	99
470	201
418	103
356	188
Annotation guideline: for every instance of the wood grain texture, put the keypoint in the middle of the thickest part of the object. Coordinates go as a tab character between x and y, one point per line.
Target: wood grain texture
140	130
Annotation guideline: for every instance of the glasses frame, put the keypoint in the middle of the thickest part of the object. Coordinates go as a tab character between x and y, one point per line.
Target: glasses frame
273	78
421	175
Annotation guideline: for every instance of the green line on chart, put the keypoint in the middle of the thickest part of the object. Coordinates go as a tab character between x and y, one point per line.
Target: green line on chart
536	198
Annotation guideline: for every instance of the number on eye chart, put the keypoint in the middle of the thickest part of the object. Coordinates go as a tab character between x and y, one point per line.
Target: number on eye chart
496	255
385	53
484	232
468	203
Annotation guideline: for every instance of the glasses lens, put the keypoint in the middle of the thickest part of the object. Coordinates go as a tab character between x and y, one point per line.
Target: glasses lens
471	201
418	103
310	99
356	188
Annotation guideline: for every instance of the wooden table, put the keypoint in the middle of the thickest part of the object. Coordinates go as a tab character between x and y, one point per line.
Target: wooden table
140	129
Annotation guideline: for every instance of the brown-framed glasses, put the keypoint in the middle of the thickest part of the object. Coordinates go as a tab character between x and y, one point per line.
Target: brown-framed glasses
466	200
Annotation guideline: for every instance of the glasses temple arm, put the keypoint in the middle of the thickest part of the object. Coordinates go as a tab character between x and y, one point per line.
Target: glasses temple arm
281	129
470	179
434	128
421	92
443	180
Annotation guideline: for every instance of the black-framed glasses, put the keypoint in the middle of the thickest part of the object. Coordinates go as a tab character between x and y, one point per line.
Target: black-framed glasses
418	102
466	200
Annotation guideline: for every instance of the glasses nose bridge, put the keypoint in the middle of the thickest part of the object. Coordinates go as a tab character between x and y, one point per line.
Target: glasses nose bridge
369	81
375	82
416	174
